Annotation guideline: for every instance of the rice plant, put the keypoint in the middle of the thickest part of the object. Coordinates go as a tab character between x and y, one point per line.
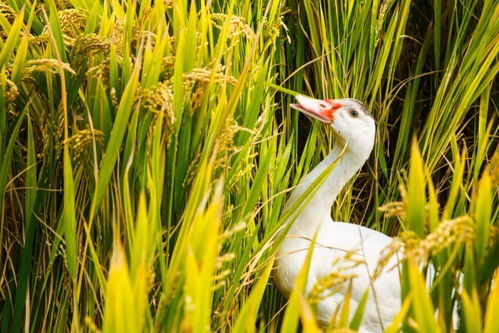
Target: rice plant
148	148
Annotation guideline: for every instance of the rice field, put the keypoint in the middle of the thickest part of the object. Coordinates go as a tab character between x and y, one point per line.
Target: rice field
147	149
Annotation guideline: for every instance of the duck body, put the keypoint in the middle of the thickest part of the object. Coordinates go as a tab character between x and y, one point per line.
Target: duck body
335	241
343	248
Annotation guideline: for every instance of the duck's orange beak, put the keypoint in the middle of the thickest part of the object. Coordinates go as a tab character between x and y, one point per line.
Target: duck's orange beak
322	110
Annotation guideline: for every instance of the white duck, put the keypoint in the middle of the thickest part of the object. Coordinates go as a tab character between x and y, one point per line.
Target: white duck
354	127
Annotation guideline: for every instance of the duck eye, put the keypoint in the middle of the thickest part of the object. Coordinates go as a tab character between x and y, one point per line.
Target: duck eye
354	113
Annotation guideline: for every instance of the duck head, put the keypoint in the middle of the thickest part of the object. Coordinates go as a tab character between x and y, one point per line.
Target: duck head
350	120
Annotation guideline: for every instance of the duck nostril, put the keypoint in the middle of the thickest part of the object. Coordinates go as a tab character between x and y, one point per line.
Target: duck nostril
323	105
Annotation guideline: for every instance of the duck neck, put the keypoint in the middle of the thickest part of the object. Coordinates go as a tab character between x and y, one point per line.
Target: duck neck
319	207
